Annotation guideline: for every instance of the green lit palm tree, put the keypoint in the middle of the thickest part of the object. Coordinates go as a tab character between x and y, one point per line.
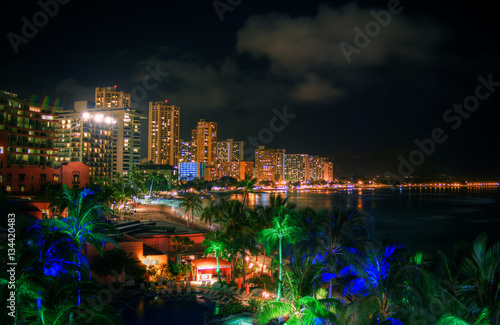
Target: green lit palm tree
265	214
215	243
191	203
476	285
281	233
298	310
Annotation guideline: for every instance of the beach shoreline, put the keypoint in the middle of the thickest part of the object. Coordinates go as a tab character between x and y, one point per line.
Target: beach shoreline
163	212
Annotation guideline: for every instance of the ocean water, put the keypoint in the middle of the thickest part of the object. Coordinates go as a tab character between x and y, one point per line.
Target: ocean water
428	219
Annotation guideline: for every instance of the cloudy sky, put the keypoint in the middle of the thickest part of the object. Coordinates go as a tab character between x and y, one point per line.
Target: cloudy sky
233	64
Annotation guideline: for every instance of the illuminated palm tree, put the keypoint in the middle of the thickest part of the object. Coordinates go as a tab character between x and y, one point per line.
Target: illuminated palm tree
191	203
85	222
298	310
265	215
342	228
215	243
283	232
384	282
474	282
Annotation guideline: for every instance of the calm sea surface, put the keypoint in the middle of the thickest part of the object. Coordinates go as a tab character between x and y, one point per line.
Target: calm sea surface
422	218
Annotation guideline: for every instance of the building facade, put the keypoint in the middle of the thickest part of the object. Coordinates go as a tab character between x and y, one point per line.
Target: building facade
27	132
109	97
188	171
185	152
28	135
163	137
236	169
230	150
204	142
269	164
321	169
297	167
88	138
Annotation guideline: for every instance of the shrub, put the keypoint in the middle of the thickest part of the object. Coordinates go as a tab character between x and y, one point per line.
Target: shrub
254	305
232	308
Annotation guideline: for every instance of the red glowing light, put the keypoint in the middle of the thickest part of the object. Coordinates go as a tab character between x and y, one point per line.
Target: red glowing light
166	100
115	86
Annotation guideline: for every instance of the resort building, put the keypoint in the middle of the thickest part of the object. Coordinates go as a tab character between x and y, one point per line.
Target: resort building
88	138
126	132
163	137
109	97
188	171
269	164
230	150
321	169
297	167
204	142
28	136
236	169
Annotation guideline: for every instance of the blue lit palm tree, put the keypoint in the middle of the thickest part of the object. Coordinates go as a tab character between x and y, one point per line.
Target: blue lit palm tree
85	222
384	283
342	228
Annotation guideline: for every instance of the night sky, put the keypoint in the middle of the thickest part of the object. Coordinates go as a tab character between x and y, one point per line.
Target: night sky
269	54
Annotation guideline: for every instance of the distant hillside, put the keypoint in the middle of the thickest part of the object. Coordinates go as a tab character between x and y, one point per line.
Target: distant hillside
371	164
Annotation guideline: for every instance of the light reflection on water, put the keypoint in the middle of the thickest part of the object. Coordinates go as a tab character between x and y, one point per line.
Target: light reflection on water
424	218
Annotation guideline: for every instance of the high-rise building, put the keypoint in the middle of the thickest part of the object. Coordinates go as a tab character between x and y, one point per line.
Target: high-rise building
185	153
86	137
127	133
27	132
163	138
204	142
280	165
230	150
297	167
265	164
27	149
109	97
321	169
235	169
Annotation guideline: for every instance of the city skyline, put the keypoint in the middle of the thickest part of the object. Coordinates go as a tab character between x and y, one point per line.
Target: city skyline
363	92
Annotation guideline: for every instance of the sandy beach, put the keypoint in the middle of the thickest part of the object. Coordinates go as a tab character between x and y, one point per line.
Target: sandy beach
161	212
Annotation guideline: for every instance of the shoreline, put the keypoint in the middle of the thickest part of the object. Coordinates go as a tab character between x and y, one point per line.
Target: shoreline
163	212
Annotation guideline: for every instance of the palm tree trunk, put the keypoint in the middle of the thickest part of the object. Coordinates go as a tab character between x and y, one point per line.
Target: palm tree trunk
234	267
330	288
280	276
243	263
263	261
218	270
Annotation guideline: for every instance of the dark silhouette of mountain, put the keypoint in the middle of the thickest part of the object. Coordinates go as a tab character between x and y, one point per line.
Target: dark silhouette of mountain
371	164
